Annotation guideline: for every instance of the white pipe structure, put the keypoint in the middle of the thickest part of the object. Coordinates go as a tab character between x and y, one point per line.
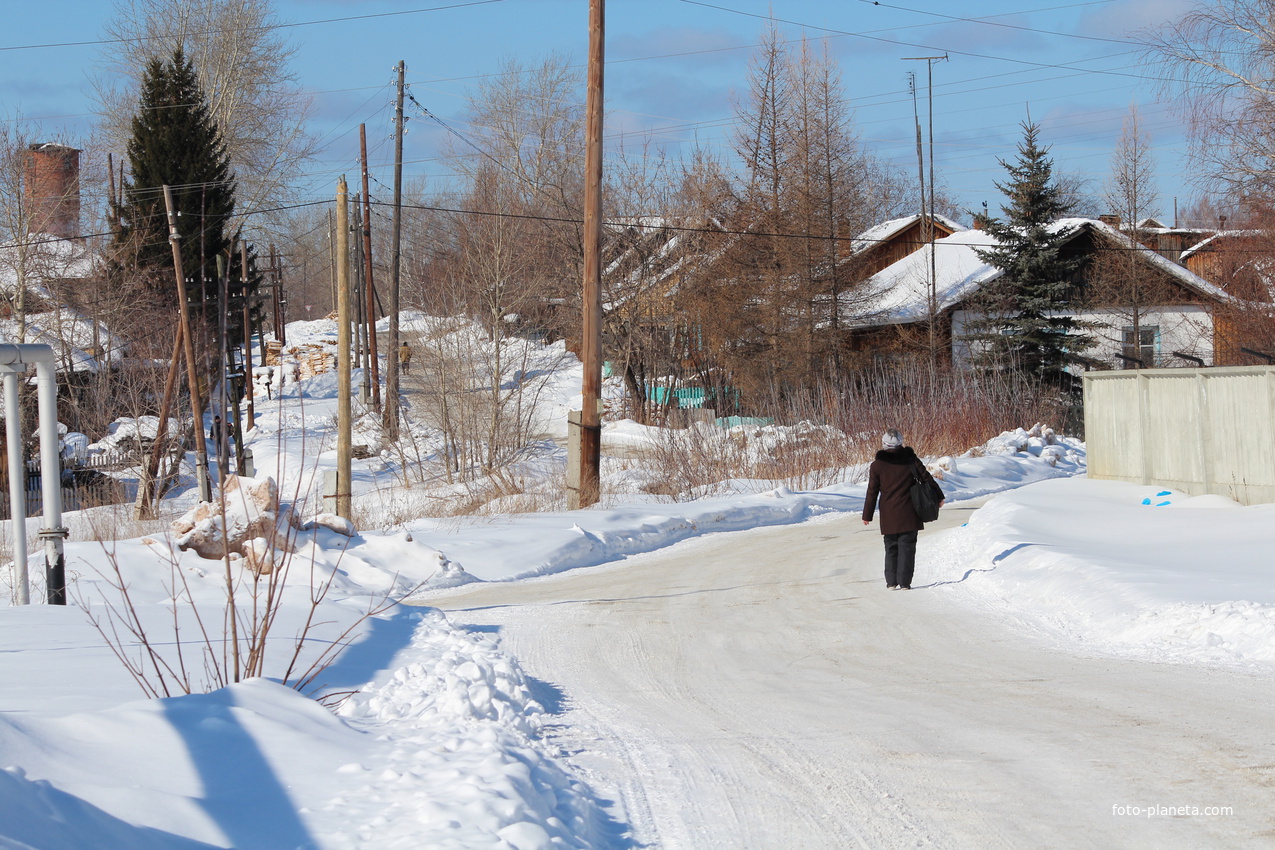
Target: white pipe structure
14	360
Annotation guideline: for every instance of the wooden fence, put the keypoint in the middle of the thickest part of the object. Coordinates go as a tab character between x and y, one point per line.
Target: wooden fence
1193	430
85	484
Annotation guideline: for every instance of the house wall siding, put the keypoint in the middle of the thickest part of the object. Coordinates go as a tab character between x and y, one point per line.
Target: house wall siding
1185	328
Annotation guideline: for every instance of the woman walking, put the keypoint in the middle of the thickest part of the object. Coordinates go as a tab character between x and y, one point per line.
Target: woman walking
889	482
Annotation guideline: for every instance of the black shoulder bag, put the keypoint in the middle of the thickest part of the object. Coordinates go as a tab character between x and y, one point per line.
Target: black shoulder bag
924	500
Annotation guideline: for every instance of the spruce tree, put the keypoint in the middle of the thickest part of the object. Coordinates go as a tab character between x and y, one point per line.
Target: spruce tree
1024	327
175	142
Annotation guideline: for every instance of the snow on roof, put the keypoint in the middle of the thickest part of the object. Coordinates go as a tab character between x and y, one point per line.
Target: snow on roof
1221	234
899	293
887	230
46	258
1183	275
69	334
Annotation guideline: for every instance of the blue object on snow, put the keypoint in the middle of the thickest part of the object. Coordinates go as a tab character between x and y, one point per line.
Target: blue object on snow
1146	501
1165	493
1162	504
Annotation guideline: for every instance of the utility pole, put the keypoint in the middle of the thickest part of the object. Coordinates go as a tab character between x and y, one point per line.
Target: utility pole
249	384
389	415
223	351
344	470
331	257
367	277
585	430
192	377
276	264
356	293
927	215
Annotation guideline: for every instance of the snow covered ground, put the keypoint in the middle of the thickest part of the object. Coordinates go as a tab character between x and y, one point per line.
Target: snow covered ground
442	739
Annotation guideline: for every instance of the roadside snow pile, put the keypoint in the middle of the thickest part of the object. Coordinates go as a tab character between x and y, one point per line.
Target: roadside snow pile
464	764
231	768
543	543
1121	568
1011	459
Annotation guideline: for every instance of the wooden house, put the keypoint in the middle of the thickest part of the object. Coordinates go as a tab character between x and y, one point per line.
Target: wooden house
898	311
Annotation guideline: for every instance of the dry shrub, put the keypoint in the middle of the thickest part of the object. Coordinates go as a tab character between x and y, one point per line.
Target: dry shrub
830	433
939	412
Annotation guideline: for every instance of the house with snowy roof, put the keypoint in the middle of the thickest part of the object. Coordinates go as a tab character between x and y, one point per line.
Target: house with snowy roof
884	244
890	314
1241	262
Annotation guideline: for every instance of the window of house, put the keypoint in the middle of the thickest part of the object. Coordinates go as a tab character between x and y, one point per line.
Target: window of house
1144	345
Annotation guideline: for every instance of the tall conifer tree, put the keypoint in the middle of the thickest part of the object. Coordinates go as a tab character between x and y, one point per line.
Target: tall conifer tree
1024	325
175	142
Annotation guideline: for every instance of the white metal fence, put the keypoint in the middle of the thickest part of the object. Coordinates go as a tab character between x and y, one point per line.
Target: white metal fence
1193	430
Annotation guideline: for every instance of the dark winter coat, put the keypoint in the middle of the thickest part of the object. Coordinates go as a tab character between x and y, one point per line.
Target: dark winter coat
889	479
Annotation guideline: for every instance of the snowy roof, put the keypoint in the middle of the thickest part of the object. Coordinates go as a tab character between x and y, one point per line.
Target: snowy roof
1183	275
899	293
1211	240
69	334
887	230
46	258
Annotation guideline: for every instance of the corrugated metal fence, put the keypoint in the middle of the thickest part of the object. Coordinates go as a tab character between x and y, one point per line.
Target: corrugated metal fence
1193	430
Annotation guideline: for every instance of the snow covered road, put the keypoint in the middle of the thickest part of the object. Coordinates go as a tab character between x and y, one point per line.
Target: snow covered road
762	689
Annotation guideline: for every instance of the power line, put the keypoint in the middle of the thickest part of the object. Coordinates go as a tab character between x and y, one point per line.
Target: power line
916	45
291	25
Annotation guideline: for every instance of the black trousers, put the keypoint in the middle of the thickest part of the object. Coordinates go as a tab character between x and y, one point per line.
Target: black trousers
900	558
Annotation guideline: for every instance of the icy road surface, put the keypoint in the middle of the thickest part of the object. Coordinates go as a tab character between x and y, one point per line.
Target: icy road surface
762	689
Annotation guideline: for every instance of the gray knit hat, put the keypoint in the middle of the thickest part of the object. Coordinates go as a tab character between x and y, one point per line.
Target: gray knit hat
891	439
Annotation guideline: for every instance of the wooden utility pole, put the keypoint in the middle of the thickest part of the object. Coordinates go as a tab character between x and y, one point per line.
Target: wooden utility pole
113	214
249	384
223	350
356	309
344	416
927	201
192	376
585	431
332	257
389	415
367	278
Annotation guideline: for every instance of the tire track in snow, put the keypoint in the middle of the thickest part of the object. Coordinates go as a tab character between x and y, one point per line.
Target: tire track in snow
762	690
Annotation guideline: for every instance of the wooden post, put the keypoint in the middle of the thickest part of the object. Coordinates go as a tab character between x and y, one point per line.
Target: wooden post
389	414
584	487
247	335
147	489
356	307
344	414
367	278
222	410
192	377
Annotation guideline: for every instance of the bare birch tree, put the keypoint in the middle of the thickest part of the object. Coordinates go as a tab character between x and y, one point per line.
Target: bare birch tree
1220	68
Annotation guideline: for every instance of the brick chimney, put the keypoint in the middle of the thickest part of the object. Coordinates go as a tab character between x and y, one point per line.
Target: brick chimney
52	188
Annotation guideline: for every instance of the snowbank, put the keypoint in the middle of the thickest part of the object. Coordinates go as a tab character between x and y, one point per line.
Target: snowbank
1120	568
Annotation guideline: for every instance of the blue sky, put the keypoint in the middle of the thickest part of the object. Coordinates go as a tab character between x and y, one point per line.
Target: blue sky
672	67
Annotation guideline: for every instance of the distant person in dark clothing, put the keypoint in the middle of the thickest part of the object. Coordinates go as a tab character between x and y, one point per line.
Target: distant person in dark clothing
215	432
889	481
